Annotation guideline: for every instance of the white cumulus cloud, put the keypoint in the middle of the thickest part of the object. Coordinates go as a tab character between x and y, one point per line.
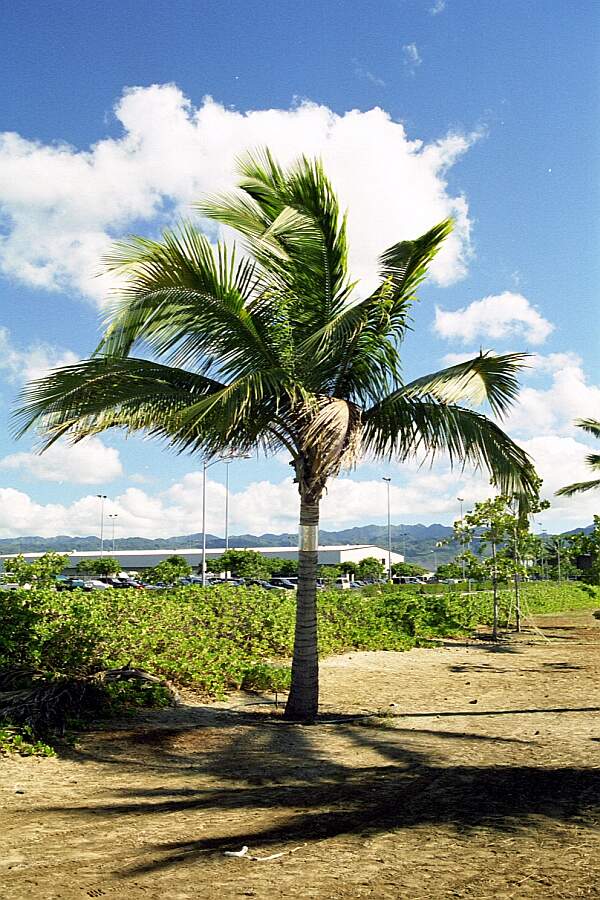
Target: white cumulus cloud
62	206
500	316
89	462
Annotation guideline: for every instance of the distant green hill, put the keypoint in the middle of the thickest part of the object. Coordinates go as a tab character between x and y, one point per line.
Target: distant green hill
418	542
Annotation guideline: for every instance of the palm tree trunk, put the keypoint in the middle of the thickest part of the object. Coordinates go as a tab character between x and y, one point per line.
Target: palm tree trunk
303	699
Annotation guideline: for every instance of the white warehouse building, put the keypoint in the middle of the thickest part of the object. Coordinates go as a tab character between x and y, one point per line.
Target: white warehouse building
138	560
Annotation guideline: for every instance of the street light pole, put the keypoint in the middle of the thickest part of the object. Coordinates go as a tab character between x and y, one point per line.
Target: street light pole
204	468
101	498
227	464
461	501
388	481
206	465
113	516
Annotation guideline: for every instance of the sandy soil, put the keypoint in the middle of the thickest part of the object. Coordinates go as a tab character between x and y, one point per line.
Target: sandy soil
480	779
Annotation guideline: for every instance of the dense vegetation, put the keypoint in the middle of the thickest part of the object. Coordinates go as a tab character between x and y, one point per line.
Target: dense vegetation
216	639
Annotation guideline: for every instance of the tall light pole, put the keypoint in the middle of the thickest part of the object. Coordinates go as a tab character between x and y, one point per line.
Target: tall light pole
404	535
388	482
227	464
101	498
206	465
435	565
461	500
113	516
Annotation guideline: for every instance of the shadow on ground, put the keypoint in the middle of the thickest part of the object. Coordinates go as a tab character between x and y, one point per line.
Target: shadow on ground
263	782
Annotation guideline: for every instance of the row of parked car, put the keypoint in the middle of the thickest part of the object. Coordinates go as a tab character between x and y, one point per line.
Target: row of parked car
100	583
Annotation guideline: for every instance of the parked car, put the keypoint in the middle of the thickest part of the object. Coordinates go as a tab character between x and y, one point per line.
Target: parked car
284	584
70	584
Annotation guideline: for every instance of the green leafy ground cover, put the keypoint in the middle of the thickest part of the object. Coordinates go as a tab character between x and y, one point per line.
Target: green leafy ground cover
219	639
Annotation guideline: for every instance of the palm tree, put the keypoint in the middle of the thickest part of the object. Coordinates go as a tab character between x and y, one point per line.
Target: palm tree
276	351
592	426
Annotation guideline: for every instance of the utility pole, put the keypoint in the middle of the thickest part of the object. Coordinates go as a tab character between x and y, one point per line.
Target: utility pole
101	498
113	516
388	481
461	501
206	465
227	464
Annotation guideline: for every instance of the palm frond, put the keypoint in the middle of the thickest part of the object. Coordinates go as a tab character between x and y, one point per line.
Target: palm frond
404	265
293	228
592	426
191	305
579	487
403	427
486	378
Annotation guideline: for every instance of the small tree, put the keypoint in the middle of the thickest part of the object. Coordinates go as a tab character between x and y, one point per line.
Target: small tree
449	570
103	566
283	568
491	518
243	563
329	573
506	533
169	570
370	568
408	570
41	572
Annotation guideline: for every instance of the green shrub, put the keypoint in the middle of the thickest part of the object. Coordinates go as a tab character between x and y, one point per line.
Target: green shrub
23	742
218	639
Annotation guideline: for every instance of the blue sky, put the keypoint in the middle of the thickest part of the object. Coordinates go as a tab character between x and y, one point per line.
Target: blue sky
483	110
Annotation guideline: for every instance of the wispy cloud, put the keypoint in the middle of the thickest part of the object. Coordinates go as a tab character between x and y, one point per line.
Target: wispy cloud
367	75
437	7
412	58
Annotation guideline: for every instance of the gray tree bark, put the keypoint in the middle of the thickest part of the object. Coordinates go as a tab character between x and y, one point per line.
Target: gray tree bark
303	700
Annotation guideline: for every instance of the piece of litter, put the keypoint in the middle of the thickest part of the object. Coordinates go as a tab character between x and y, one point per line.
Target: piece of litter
241	852
244	852
276	855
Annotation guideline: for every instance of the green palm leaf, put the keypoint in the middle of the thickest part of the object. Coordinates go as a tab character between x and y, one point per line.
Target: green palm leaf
591	426
486	378
401	427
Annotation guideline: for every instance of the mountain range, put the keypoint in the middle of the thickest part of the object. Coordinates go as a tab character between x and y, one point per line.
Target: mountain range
417	541
422	544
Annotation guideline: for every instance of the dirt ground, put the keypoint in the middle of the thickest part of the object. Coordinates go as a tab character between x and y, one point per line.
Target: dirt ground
480	778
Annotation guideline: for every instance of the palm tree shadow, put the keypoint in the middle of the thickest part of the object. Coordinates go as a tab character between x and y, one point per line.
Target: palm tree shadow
309	790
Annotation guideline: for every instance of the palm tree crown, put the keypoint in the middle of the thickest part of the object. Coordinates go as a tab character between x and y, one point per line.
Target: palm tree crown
276	350
592	426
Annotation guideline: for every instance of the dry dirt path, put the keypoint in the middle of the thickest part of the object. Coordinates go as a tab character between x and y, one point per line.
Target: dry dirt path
482	780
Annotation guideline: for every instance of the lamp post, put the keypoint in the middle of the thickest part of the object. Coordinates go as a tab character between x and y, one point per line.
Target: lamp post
434	559
461	500
206	465
404	535
101	498
388	481
227	464
113	516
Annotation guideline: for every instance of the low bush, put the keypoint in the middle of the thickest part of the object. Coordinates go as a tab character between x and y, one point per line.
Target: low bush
218	639
23	742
